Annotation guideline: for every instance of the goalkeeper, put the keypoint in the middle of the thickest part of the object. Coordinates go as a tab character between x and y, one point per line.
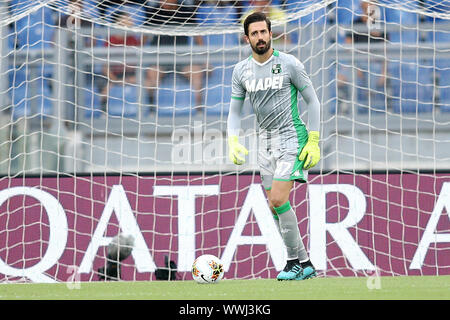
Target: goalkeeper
271	80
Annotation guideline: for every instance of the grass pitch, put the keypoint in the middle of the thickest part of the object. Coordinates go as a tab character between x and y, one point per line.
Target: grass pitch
361	288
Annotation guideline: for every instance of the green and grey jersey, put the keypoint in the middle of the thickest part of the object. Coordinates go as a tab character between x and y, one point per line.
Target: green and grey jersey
272	88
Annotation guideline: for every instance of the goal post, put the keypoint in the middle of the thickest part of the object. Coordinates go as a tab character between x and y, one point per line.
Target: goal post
107	125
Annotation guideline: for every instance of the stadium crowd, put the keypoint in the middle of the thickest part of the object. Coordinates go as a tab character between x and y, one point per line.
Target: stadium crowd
113	84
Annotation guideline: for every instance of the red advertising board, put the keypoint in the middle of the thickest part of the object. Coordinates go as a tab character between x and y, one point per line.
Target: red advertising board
352	224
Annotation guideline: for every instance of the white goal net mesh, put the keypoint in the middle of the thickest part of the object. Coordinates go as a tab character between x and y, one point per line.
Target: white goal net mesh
113	119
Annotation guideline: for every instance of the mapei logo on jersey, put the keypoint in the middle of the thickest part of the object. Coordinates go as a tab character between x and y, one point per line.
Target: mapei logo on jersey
276	68
275	82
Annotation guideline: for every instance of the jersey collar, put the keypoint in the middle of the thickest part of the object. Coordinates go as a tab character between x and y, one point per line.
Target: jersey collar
275	53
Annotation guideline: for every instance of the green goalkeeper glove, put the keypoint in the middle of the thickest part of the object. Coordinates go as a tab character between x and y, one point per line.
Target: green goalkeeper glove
311	151
235	150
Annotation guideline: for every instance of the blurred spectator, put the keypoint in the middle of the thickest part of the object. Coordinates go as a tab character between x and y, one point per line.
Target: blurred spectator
171	13
72	15
403	22
121	72
370	72
33	84
370	18
120	93
77	15
274	13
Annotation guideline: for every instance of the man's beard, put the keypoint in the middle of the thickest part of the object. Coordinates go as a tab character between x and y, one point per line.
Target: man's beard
261	50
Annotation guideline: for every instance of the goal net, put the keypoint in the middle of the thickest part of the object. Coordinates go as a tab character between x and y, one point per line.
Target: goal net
113	119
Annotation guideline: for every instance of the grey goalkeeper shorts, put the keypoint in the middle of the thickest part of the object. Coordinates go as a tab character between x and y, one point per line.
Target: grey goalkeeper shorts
281	164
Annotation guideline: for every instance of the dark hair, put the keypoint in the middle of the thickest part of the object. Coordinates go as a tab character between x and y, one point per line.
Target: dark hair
256	17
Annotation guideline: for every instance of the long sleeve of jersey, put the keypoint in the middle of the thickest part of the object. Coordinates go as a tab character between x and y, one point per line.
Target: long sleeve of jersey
303	83
312	104
234	117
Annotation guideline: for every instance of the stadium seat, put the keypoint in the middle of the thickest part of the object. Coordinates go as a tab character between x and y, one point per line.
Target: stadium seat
218	99
173	102
21	107
370	93
11	38
26	93
43	14
411	93
30	74
220	74
90	8
44	102
442	36
346	11
221	40
36	30
218	90
317	17
17	76
438	36
406	36
123	101
442	71
406	21
438	6
445	99
441	32
27	103
174	97
211	14
443	74
310	25
398	16
331	101
90	101
35	36
340	98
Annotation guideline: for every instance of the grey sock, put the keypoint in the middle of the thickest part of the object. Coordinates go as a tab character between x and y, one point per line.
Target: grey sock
302	255
289	229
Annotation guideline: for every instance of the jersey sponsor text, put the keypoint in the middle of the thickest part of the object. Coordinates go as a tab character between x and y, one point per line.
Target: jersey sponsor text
275	82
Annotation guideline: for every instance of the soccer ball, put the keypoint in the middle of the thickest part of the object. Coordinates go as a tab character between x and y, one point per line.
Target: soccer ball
207	269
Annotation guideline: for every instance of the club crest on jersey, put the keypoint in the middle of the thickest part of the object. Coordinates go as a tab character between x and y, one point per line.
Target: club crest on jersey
276	68
275	82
